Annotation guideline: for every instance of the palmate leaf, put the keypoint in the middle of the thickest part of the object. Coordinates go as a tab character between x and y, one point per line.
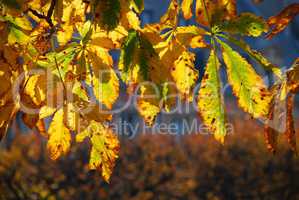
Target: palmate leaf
210	100
104	150
247	85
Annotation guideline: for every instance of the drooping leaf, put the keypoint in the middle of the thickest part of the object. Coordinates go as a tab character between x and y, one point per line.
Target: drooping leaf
247	85
187	8
104	80
270	133
148	103
185	75
293	77
128	49
104	150
170	18
59	136
290	126
210	100
279	22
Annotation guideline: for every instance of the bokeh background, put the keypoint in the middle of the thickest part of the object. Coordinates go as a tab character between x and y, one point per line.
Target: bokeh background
156	166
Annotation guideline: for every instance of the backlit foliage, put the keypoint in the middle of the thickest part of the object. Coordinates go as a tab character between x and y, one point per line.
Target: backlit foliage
73	40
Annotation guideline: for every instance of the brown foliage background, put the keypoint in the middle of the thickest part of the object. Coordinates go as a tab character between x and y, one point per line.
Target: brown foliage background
155	167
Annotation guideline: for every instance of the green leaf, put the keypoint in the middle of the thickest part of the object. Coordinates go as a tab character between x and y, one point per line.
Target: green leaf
210	100
247	85
135	57
127	51
109	13
62	59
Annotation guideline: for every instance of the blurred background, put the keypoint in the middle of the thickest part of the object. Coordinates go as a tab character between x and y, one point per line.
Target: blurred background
157	166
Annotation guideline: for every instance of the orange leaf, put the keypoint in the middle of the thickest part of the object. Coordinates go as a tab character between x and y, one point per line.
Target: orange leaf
281	21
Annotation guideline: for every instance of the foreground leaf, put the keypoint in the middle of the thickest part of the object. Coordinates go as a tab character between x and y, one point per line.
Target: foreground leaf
104	150
185	75
59	136
247	85
210	100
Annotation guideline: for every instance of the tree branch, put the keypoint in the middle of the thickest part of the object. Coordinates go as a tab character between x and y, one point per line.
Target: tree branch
49	13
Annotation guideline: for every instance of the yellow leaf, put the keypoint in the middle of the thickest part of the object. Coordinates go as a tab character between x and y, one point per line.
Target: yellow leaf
187	8
185	75
191	36
71	116
104	150
46	111
210	12
105	81
59	136
210	100
36	88
7	112
171	16
148	103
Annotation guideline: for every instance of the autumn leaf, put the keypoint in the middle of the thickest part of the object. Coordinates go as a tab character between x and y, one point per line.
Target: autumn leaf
247	85
270	134
185	75
246	24
211	12
290	126
170	18
293	77
104	150
59	136
187	8
279	22
191	36
256	55
107	13
210	100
